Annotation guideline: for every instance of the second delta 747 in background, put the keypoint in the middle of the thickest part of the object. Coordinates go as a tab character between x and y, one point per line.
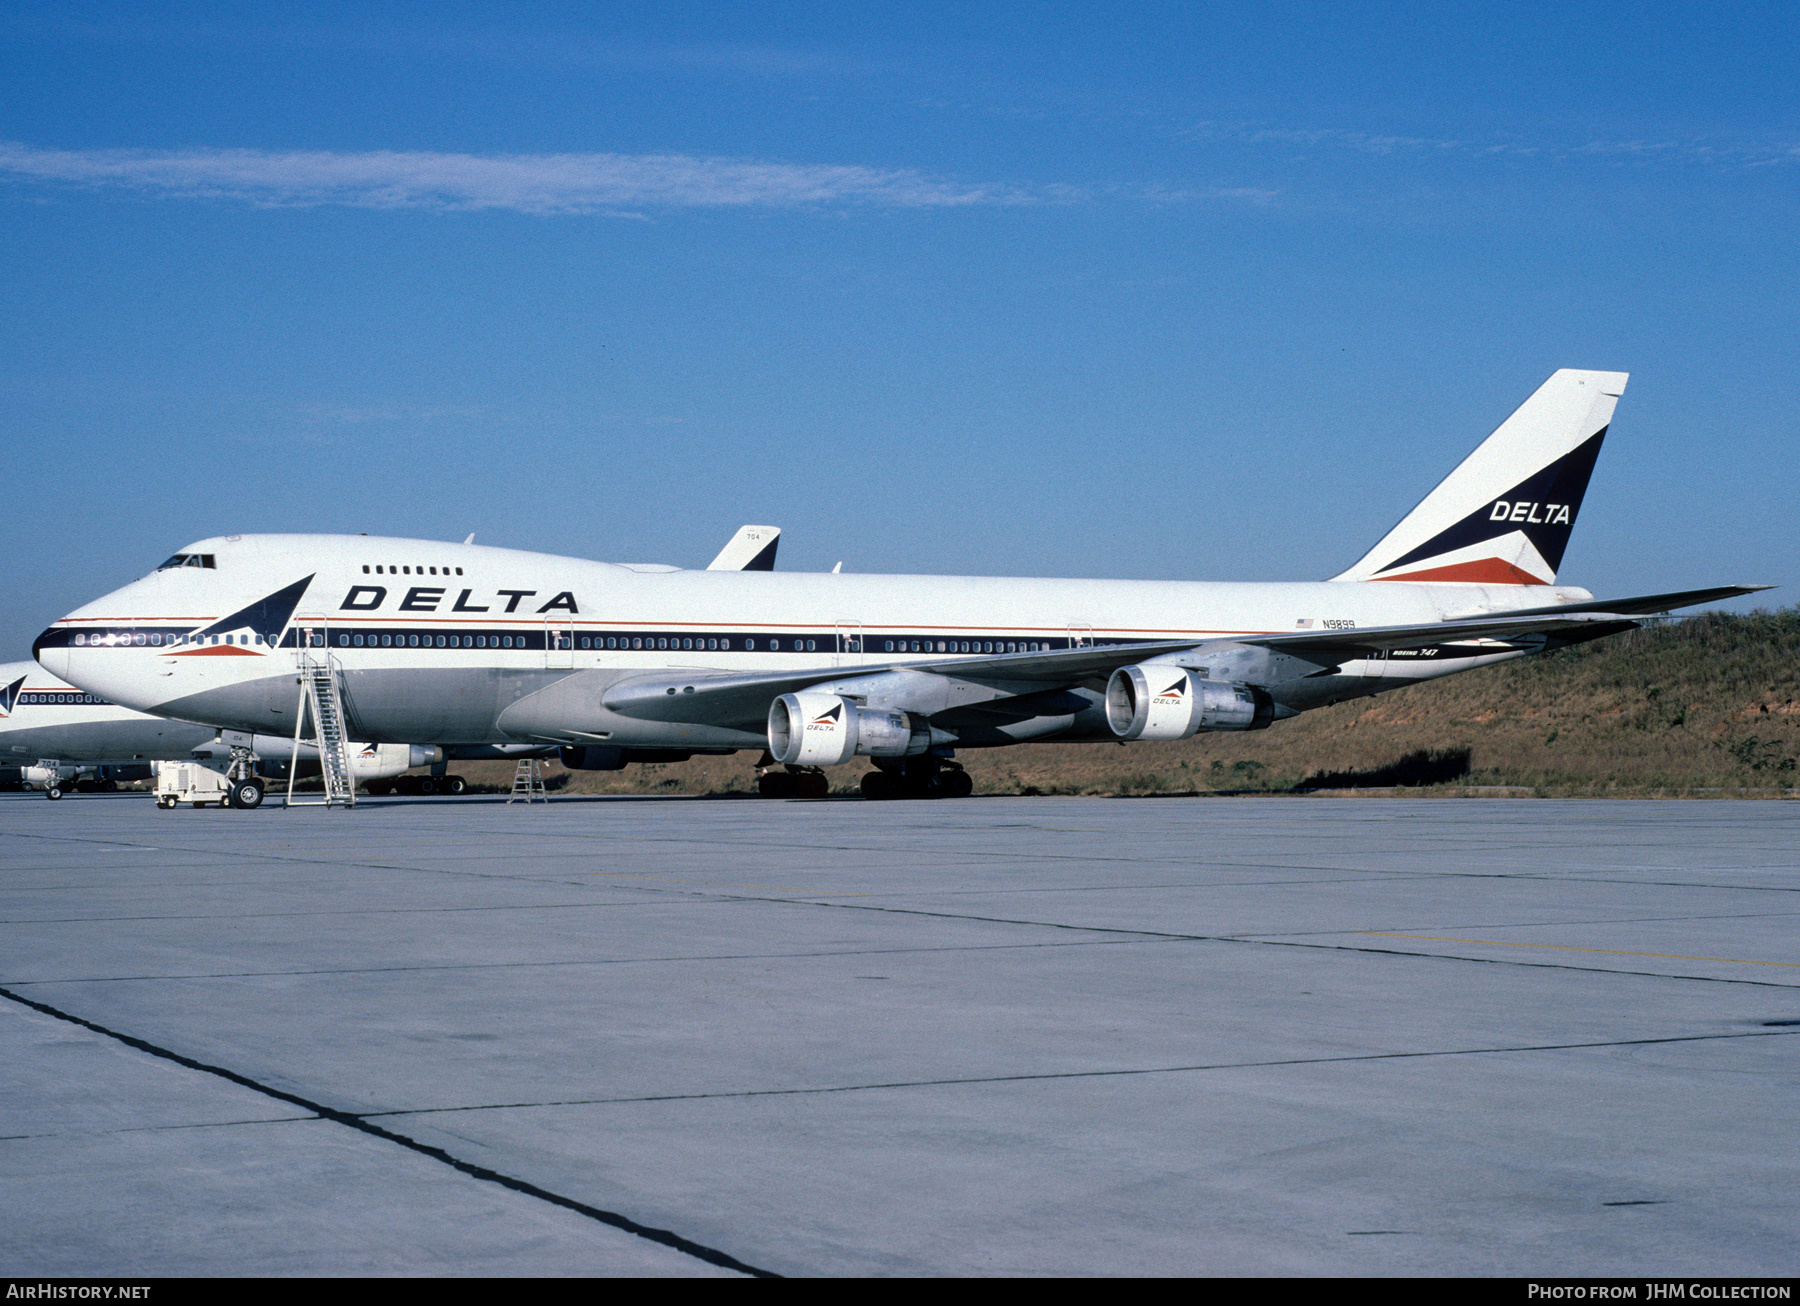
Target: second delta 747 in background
461	644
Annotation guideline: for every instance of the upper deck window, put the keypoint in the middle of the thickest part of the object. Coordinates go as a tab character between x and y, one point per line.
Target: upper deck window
188	560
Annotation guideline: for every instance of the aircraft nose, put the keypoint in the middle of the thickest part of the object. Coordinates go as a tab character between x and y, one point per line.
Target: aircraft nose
51	650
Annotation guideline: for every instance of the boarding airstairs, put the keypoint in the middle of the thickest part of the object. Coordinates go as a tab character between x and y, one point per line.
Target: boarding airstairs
528	782
322	705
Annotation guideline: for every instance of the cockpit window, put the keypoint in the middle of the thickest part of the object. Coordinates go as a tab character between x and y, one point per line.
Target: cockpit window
188	560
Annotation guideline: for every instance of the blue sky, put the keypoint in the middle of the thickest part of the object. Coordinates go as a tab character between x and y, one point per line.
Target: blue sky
1140	291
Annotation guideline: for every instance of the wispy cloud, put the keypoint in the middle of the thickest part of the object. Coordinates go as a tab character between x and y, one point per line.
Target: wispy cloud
522	183
1733	153
360	415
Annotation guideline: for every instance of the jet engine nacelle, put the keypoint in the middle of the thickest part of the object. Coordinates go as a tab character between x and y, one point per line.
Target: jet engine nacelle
813	729
382	761
47	773
1162	701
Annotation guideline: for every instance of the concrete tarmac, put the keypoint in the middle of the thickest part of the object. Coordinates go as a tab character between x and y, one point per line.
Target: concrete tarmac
991	1036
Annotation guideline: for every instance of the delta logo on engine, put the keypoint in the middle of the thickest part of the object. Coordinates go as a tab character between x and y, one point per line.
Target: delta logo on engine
1174	693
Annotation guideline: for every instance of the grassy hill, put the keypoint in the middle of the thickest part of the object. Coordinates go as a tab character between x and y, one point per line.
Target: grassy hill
1707	705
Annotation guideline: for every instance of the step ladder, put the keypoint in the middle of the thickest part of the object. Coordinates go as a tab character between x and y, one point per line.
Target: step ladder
321	704
528	782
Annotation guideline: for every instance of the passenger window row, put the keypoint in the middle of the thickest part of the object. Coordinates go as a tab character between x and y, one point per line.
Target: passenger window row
565	640
966	646
686	643
157	639
431	640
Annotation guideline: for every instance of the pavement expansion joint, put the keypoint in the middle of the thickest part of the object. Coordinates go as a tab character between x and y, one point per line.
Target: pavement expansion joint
163	1129
1118	1072
1275	942
576	962
667	1238
1567	947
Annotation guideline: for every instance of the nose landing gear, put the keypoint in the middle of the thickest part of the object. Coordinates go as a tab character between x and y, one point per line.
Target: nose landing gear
246	795
245	790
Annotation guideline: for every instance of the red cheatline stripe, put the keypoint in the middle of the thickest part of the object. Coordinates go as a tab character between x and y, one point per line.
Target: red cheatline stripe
1482	571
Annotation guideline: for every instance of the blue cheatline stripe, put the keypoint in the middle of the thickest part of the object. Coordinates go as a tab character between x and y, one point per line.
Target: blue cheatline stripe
462	637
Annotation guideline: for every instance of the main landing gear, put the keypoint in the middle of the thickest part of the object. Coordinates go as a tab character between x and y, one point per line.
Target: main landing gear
911	777
793	782
919	777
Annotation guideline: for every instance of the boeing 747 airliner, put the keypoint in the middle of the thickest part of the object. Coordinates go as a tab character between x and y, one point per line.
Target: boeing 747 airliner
466	645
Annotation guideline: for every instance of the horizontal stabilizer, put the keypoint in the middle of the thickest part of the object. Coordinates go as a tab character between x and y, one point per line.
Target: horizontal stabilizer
1500	627
1648	604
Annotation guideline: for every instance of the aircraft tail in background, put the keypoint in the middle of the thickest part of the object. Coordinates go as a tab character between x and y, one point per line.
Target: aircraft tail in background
751	549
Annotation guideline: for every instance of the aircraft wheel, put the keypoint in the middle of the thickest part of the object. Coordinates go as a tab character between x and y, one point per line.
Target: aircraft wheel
455	784
775	784
879	785
427	785
247	795
955	784
921	786
812	784
53	792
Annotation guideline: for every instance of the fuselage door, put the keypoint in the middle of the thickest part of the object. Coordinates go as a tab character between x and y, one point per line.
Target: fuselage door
310	632
559	643
848	649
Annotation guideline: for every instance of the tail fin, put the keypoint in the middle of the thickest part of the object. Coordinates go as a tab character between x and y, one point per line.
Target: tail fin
751	549
1503	517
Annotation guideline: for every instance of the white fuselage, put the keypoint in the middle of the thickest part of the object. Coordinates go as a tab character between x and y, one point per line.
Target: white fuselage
50	726
448	643
43	718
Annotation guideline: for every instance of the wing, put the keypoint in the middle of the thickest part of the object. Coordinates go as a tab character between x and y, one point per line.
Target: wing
701	697
705	698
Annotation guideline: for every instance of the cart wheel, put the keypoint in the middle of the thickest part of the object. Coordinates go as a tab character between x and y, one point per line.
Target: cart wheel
53	792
